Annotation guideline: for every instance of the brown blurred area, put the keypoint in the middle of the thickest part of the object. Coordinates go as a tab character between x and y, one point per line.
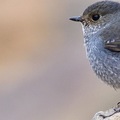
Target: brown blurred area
44	72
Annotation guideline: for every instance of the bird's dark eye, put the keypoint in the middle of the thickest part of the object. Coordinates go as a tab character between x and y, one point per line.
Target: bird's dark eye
95	17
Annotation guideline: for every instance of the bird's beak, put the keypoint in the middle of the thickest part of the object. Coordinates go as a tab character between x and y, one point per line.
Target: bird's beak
76	19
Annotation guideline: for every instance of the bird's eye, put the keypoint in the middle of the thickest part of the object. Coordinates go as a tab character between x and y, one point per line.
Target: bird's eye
95	17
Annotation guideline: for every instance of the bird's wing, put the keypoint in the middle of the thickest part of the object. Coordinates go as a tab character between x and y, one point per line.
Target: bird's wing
111	37
113	44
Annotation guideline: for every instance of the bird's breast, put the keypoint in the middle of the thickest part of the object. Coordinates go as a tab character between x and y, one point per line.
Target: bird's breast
105	64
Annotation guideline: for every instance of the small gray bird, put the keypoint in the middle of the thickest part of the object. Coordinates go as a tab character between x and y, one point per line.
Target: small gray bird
101	29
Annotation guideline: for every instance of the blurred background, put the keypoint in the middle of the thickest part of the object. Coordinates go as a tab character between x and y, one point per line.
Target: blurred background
44	72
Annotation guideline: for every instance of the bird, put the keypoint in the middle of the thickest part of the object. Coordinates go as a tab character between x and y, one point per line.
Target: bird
101	31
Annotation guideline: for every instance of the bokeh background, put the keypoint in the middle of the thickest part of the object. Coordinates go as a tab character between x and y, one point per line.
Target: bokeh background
44	72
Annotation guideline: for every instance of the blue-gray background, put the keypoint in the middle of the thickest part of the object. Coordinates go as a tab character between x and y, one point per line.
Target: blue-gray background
44	72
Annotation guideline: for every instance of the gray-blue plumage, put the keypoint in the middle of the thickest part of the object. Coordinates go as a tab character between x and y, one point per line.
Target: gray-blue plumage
101	29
